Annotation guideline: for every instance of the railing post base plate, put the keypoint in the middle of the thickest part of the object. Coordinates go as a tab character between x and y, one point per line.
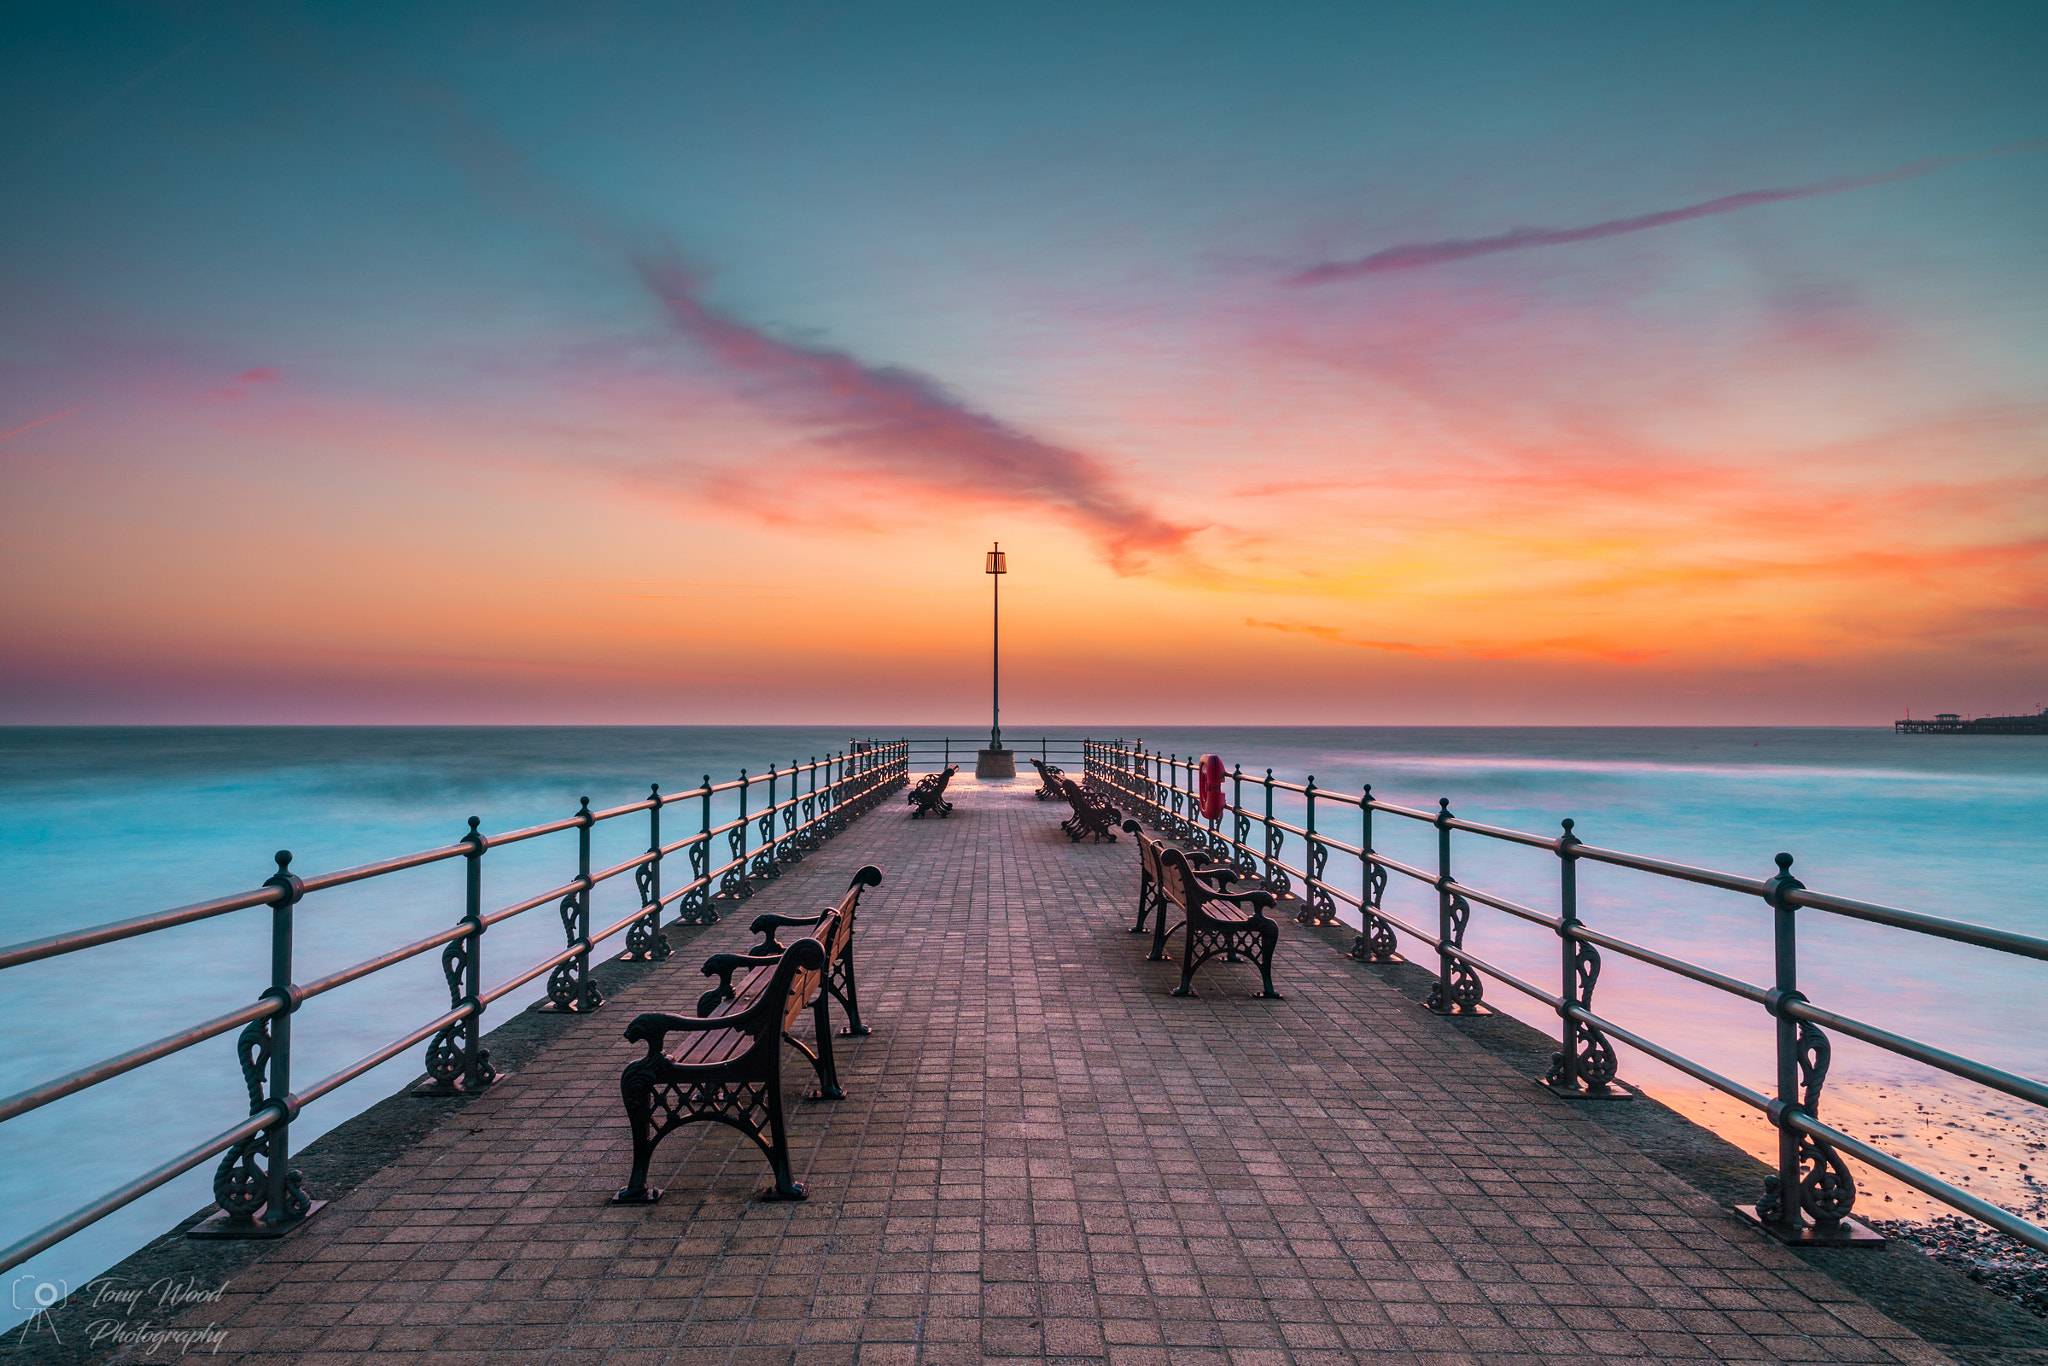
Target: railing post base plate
1462	1012
1844	1233
441	1090
216	1225
1614	1090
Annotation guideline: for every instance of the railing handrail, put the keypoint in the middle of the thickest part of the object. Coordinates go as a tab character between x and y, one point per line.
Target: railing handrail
73	940
786	827
1154	783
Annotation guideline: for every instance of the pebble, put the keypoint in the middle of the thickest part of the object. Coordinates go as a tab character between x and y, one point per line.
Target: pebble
2005	1266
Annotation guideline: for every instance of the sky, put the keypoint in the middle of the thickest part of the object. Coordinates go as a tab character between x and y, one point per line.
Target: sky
1576	363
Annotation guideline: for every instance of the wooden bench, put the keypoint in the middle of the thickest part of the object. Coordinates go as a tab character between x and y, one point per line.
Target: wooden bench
839	978
1150	895
1216	921
1048	779
726	1066
1092	815
929	794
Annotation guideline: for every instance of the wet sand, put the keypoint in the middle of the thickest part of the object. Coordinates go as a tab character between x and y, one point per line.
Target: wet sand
1989	1144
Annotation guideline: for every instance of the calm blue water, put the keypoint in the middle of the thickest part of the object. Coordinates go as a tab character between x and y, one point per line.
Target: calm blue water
100	824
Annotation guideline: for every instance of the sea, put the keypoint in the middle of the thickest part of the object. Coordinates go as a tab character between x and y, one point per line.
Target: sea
99	824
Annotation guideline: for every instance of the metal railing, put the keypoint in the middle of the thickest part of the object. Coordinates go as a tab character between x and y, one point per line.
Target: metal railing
801	807
962	749
1810	1197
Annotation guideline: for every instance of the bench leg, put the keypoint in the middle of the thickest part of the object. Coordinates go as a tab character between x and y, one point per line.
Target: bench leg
1188	961
1144	901
637	1089
786	1186
828	1070
849	996
1269	937
1160	933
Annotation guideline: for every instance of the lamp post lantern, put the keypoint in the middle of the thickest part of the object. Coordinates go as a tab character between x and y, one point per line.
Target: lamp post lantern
995	761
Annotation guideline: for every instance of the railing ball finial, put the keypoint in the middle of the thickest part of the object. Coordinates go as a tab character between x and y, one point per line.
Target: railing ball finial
654	793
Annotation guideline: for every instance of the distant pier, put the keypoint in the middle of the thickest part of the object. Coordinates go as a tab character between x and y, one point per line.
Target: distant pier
1950	723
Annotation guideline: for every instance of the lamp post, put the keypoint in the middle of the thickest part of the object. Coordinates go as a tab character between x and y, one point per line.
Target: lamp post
995	761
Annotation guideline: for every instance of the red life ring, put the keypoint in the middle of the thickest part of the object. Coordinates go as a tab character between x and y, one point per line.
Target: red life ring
1209	792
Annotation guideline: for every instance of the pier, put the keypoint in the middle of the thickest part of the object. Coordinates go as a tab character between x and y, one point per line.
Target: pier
1951	723
1041	1155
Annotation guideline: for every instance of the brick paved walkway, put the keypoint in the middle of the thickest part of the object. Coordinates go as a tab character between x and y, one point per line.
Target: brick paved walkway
1044	1155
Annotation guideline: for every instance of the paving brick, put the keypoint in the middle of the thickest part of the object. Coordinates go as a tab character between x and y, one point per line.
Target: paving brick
1044	1156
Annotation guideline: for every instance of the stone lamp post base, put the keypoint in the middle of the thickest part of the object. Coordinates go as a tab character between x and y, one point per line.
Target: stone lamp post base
995	763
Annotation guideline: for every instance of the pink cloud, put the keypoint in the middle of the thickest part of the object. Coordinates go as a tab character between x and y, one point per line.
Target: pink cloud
896	424
38	422
1411	255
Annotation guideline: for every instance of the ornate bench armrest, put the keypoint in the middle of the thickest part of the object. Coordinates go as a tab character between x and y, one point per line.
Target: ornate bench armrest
767	925
723	966
652	1029
1257	898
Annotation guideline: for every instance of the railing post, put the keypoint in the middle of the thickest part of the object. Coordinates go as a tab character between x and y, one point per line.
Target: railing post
1812	1180
1586	1065
836	766
457	1063
1240	823
1457	989
1375	942
810	836
764	865
255	1175
1275	878
477	1072
570	987
1176	795
733	884
644	940
696	907
1318	907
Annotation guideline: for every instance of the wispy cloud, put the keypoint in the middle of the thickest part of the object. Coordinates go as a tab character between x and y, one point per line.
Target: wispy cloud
900	425
1413	255
39	422
1596	646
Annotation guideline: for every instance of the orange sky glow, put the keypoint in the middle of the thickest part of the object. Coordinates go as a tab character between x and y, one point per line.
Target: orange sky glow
452	395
